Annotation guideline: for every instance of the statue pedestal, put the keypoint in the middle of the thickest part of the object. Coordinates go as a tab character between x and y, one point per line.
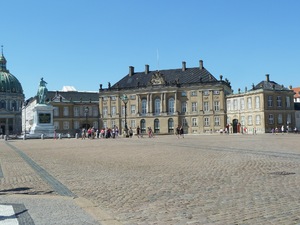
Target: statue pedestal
42	121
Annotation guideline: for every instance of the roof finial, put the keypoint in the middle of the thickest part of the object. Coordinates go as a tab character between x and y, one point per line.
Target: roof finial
2	50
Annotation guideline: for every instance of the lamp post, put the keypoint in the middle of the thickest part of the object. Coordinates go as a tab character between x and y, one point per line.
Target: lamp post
124	98
24	137
86	111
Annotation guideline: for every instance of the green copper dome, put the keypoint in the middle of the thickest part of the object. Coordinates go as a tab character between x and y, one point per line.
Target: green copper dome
8	82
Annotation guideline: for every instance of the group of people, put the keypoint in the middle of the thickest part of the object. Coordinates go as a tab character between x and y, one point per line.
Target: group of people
283	130
92	133
179	132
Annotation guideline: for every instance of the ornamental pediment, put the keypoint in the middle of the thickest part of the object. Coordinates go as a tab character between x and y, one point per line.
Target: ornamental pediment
157	79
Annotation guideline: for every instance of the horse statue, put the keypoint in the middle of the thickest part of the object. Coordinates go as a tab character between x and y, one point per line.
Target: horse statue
42	92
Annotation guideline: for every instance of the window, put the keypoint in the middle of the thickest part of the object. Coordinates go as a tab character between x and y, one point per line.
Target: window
228	105
249	120
56	125
271	119
95	124
183	94
123	110
144	106
56	111
95	110
132	97
156	126
132	109
216	92
235	104
242	104
112	123
76	125
278	100
206	121
217	121
257	119
66	125
113	110
257	102
171	105
170	126
193	93
205	107
270	101
249	101
217	105
132	123
2	104
194	122
183	107
184	122
194	106
76	111
157	106
206	92
143	126
243	120
279	119
113	98
289	119
288	102
105	111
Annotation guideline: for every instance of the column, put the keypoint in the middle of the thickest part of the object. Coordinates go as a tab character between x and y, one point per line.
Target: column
175	102
161	102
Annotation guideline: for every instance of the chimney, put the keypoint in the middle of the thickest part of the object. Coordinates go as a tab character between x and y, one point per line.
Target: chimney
146	69
201	64
267	77
131	70
183	65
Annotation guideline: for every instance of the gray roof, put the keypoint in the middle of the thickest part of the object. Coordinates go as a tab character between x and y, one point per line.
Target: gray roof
170	77
74	96
269	85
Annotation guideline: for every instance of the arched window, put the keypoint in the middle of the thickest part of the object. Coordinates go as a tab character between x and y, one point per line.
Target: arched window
170	126
157	106
156	126
144	106
2	104
143	126
171	104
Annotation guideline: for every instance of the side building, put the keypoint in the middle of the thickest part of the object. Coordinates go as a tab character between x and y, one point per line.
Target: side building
73	110
164	99
265	107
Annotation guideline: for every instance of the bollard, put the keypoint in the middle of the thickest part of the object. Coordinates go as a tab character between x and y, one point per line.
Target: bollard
5	137
76	135
42	136
59	136
24	137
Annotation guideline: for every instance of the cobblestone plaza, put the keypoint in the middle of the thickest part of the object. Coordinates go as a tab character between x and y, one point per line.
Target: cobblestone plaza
199	179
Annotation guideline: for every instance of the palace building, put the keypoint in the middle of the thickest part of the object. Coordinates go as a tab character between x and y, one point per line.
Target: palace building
11	101
164	99
266	106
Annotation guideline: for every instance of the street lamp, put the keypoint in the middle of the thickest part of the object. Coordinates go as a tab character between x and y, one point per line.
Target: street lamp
86	111
124	99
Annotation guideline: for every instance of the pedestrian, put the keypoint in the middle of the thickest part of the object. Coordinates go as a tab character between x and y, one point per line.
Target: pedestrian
130	132
82	133
177	131
181	132
138	130
282	129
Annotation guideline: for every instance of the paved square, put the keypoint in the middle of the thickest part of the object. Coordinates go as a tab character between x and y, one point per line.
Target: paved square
201	179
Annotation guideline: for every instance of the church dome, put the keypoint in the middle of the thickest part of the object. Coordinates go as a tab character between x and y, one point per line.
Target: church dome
8	82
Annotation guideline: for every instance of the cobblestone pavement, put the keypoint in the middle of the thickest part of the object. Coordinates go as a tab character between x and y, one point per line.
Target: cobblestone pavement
203	179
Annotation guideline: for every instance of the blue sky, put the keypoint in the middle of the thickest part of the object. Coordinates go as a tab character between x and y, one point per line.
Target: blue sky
87	43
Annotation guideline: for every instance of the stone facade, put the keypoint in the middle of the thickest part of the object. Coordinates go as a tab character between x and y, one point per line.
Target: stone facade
188	97
266	106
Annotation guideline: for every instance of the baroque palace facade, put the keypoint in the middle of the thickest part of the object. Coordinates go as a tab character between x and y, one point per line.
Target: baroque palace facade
265	107
188	97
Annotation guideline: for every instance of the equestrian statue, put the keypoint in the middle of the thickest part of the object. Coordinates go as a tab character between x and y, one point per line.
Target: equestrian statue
42	92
